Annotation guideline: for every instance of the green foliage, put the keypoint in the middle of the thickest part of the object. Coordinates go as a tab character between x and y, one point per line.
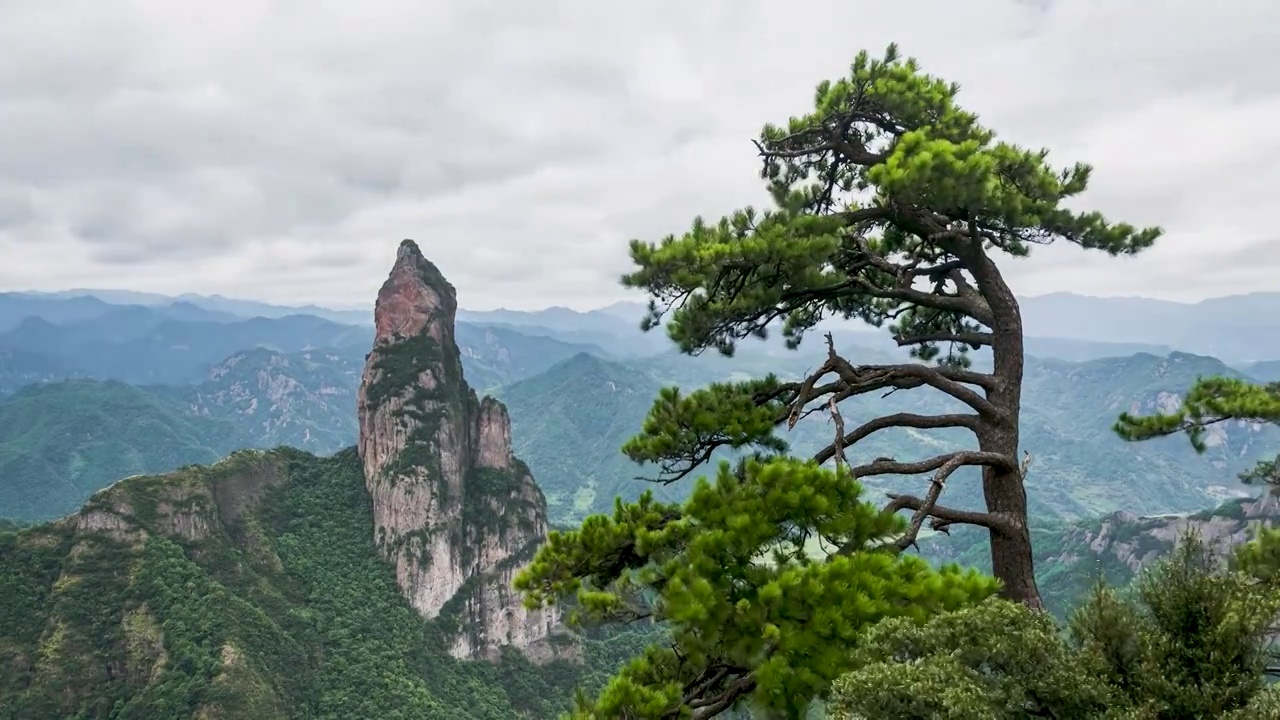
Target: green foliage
1260	558
1191	642
692	427
1210	401
280	607
993	661
895	134
61	442
730	575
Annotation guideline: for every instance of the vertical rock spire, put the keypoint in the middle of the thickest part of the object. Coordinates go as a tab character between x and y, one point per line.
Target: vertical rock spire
454	510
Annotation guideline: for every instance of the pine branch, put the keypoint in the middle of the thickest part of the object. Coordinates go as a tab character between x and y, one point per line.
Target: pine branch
966	301
928	507
973	339
893	467
723	700
1210	401
898	420
862	379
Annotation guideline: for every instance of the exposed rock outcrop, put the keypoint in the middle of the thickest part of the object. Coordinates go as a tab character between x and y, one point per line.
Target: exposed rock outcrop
1123	544
192	503
454	510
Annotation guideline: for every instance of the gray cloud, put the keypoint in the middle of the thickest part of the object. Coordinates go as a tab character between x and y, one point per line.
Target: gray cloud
281	149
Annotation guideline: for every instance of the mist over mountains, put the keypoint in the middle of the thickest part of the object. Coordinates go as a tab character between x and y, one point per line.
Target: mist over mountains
1238	329
223	373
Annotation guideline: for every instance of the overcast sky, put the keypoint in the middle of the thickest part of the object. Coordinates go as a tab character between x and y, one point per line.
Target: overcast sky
281	150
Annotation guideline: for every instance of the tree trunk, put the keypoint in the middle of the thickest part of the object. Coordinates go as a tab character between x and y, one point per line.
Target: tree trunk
1011	558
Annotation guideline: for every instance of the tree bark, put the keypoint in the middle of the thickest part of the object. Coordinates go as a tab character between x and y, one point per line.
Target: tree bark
1011	557
1012	560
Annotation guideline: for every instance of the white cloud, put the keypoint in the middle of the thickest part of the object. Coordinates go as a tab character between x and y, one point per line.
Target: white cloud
280	150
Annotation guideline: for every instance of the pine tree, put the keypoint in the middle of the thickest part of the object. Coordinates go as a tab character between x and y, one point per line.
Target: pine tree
754	613
1210	401
891	204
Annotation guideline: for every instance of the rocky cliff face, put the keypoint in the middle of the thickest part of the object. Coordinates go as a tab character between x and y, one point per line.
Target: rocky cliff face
1137	542
300	399
454	510
1132	543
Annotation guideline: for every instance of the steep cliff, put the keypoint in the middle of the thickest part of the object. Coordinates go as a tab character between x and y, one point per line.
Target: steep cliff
455	511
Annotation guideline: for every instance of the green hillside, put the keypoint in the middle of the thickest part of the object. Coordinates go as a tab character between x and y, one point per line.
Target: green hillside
568	424
1265	371
493	356
249	590
62	441
571	421
1072	556
66	440
19	368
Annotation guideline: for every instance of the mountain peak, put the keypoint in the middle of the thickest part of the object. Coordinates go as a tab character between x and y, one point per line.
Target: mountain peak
415	299
453	508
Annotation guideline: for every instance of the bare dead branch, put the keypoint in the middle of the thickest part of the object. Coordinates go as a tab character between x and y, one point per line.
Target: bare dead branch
810	142
891	467
838	444
715	689
862	379
965	301
945	516
973	339
928	507
731	694
901	420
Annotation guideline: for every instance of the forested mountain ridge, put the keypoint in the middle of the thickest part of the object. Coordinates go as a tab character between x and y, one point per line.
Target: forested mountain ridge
61	442
251	588
572	420
66	439
1071	556
279	584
